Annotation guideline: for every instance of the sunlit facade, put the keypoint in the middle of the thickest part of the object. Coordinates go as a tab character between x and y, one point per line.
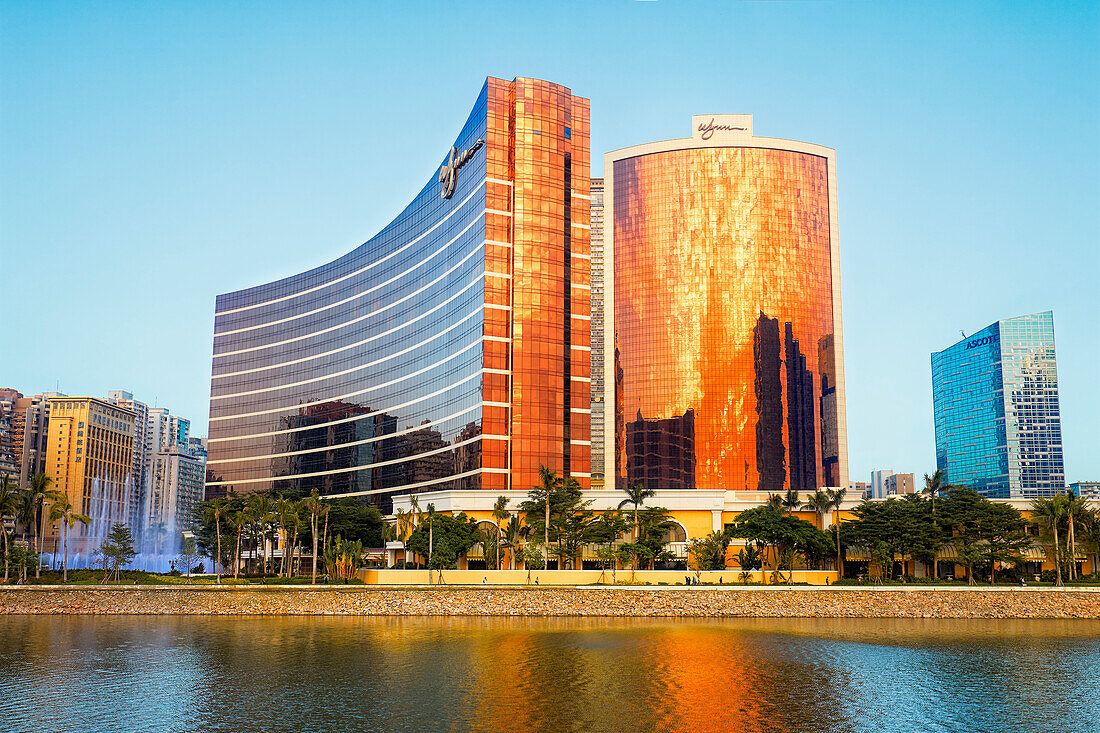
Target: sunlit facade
995	400
728	369
450	351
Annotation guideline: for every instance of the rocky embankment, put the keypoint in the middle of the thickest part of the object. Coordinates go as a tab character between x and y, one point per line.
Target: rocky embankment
615	602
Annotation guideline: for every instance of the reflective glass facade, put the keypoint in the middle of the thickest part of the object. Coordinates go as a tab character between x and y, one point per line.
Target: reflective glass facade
597	331
728	369
443	352
995	399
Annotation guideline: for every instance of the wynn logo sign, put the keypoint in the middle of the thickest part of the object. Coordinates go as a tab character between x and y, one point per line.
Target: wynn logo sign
449	171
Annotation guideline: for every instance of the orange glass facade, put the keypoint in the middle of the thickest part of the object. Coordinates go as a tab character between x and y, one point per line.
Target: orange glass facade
537	177
726	329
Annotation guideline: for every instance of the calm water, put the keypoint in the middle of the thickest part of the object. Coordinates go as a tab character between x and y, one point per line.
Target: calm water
323	674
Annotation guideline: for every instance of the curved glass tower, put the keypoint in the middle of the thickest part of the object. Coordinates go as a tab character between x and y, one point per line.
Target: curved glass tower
442	353
726	325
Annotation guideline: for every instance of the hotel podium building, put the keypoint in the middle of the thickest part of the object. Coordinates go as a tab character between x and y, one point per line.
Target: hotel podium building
449	352
722	325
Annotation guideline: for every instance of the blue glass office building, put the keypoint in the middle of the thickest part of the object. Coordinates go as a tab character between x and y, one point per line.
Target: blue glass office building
995	397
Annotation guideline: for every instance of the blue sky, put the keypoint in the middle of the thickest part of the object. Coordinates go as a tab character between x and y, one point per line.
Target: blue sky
153	155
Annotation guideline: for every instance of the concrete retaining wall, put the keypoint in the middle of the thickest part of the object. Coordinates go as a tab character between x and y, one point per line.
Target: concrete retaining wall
911	602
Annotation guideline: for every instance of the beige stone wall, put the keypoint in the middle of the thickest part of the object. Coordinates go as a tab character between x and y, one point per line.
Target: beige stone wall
613	602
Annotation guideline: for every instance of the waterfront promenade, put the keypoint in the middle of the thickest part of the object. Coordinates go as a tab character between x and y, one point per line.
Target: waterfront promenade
583	601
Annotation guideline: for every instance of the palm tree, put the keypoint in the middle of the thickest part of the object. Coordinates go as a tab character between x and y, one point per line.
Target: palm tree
262	508
1078	511
791	502
312	504
215	509
431	537
11	500
549	482
239	520
500	513
1050	512
63	509
774	502
414	510
512	535
936	485
41	492
636	496
836	498
820	503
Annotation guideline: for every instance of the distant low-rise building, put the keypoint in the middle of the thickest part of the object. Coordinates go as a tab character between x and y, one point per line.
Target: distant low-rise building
1090	489
899	484
859	489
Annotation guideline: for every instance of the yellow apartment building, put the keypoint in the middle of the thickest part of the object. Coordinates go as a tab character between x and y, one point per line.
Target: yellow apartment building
89	455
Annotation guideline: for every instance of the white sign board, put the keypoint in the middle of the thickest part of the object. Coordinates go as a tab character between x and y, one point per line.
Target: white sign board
720	127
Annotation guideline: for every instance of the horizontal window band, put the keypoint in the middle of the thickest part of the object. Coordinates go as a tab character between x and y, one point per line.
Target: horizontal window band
381	464
581	410
498	339
361	367
393	254
365	441
580	379
580	196
495	307
488	436
496	404
496	470
581	226
580	474
399	380
391	490
498	212
360	343
581	348
341	421
366	292
372	314
498	180
580	442
582	287
449	387
579	316
579	256
499	244
504	275
505	372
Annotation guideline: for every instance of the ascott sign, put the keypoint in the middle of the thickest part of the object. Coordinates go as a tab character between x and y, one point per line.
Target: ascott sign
985	340
449	170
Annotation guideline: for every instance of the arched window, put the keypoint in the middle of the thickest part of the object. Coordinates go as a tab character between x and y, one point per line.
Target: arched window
676	533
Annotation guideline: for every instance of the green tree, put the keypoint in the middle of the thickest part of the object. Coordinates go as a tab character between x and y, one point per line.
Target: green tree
514	533
791	501
117	550
500	515
189	553
836	499
749	558
40	493
709	552
787	536
63	509
10	502
981	530
1049	513
606	529
549	504
312	505
451	538
636	496
215	510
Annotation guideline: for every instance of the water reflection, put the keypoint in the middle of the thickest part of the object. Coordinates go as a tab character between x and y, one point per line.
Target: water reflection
328	674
